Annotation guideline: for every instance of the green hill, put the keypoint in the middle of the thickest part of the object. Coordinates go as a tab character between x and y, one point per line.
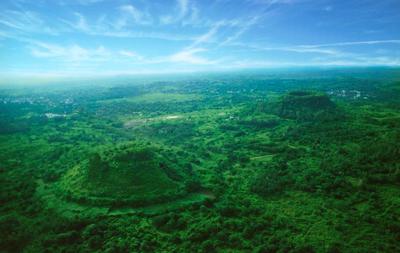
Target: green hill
137	174
305	105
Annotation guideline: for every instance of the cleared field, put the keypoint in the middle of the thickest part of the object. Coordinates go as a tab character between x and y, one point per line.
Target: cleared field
157	97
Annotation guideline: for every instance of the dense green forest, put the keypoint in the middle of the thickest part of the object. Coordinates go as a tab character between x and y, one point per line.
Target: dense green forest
279	161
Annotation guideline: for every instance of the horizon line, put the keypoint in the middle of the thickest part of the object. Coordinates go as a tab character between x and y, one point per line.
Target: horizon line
92	75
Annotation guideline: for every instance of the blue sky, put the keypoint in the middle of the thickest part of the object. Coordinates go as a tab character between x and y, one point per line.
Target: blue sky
111	37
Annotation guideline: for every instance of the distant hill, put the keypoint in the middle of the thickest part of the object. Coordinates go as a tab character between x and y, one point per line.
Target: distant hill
305	105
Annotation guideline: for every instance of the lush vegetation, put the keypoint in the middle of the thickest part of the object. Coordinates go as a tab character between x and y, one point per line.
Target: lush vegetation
301	161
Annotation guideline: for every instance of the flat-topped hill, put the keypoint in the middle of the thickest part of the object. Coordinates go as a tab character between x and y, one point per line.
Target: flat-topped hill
305	105
133	174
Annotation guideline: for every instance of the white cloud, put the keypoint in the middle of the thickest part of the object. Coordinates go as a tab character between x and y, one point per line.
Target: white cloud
150	35
25	21
271	2
119	28
80	23
88	2
185	12
131	13
320	62
194	17
189	56
79	2
353	43
130	54
183	7
206	37
248	63
102	52
210	35
72	53
361	61
296	49
332	52
242	29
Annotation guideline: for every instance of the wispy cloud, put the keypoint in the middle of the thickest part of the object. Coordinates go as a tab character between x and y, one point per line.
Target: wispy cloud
212	34
185	12
25	21
79	2
207	36
233	29
77	54
360	61
183	7
353	43
271	2
300	49
80	24
242	29
325	49
143	34
295	48
72	53
193	18
131	15
319	62
121	27
190	56
131	54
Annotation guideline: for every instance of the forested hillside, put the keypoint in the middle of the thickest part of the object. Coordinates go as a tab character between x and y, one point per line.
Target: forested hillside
249	162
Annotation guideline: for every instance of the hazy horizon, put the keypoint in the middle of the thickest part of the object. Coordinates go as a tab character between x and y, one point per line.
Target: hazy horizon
9	81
